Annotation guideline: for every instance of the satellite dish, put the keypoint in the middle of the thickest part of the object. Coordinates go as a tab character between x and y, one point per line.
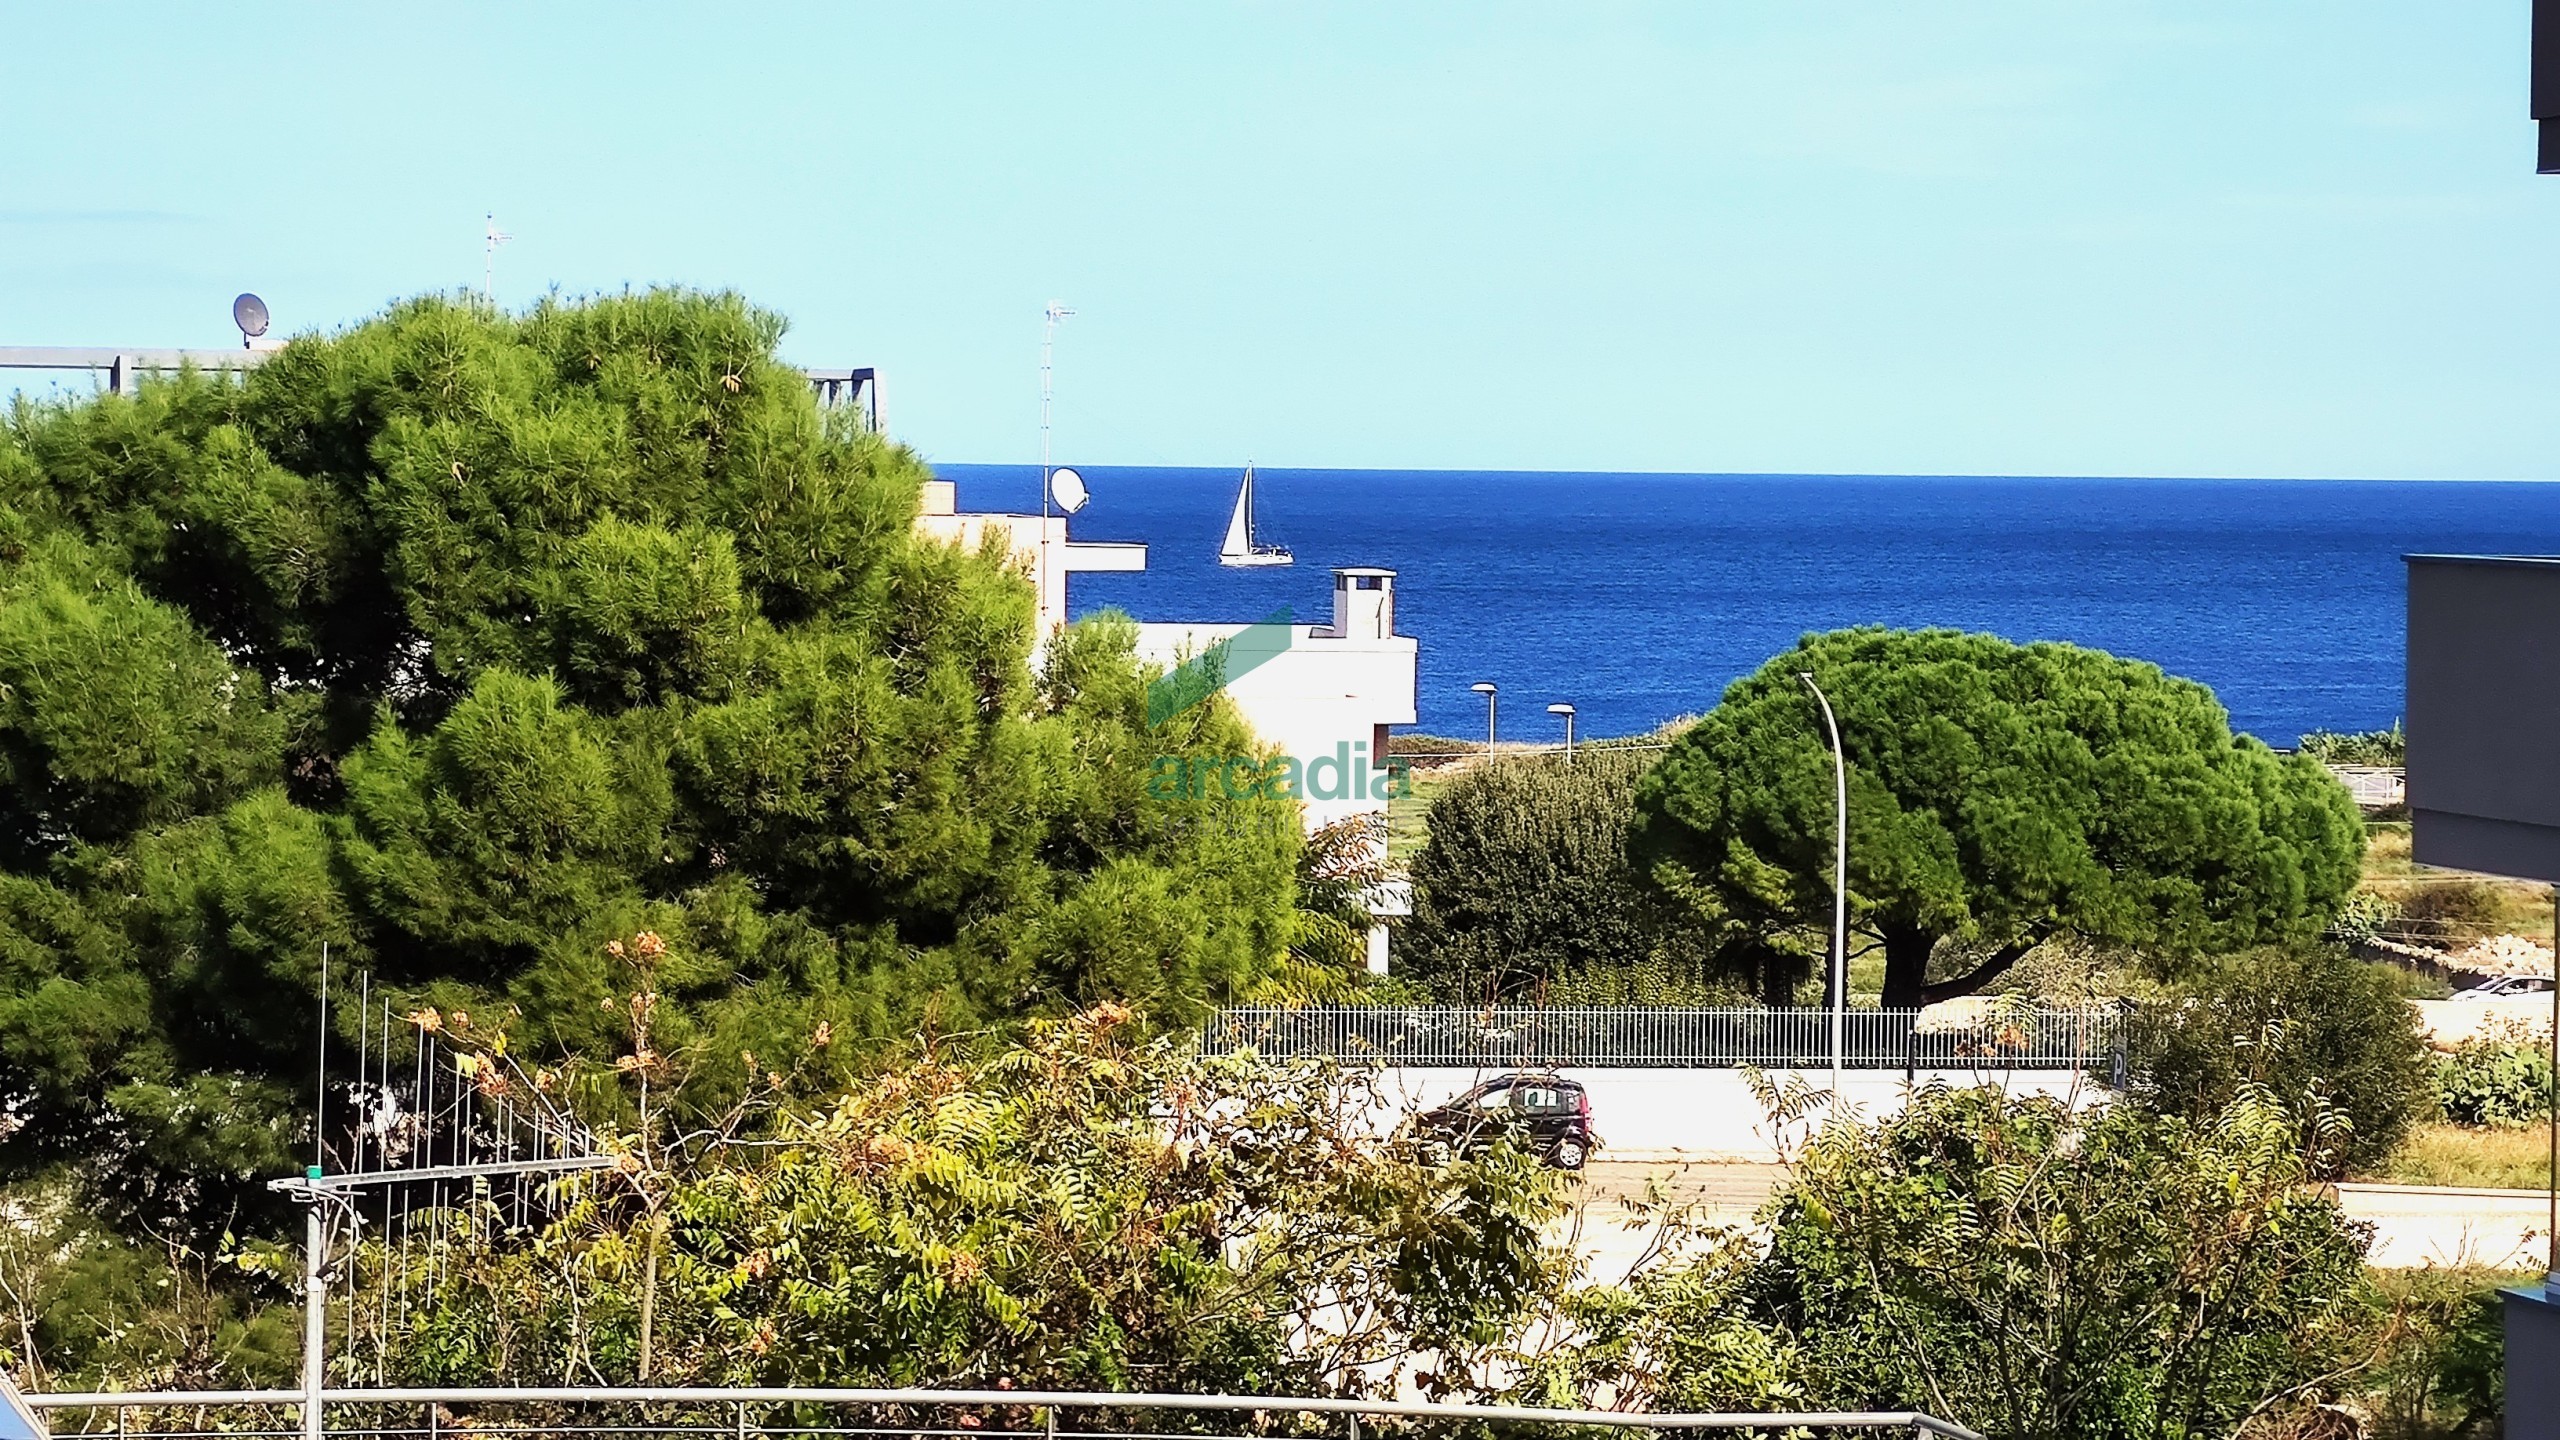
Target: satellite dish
1067	488
250	314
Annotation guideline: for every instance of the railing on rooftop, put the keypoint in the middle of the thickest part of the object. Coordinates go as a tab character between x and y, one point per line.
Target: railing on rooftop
1994	1037
581	1411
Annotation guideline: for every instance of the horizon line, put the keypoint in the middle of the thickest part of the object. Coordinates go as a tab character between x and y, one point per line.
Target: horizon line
1033	465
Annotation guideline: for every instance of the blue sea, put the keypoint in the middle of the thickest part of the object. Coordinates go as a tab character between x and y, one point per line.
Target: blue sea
1639	597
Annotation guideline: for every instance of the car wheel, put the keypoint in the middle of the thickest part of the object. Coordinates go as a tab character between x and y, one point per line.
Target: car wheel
1570	1152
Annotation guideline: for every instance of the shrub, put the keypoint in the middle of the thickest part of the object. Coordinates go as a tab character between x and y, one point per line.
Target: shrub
2442	1370
2455	908
1525	880
2363	917
2367	747
2495	1082
2321	1031
2008	1265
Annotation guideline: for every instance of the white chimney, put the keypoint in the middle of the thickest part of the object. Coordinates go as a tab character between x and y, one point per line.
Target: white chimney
1364	604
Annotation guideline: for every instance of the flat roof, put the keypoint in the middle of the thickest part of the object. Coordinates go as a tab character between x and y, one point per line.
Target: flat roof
2481	559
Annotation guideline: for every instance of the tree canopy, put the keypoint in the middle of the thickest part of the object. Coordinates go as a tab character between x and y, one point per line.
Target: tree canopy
2000	795
1524	880
460	643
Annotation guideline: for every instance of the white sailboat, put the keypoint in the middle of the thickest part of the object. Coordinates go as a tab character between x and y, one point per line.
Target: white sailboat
1241	548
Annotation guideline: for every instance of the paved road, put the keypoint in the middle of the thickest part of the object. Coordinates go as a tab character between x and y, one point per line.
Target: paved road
2413	1226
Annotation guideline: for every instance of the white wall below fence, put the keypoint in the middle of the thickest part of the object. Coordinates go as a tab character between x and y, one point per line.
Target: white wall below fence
1704	1114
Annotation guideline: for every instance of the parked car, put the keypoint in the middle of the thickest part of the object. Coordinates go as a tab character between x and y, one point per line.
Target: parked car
1546	1114
2506	987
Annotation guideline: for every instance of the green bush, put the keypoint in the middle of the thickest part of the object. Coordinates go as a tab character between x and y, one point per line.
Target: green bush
2455	909
1524	881
2495	1082
2367	747
2035	1274
2442	1367
2363	917
2325	1033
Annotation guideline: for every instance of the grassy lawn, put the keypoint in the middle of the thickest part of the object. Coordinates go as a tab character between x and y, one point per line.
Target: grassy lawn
2442	1154
1405	815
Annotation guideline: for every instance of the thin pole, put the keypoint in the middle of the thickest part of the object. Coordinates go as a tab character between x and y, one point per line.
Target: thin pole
1839	885
320	1090
2551	1231
1050	319
315	1314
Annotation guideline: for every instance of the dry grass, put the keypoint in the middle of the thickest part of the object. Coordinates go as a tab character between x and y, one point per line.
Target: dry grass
2506	907
2442	1154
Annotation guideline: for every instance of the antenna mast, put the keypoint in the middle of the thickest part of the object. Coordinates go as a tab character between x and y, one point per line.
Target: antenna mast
1048	337
489	266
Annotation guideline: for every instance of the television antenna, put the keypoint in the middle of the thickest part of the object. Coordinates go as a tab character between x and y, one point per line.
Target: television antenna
463	1126
250	314
489	265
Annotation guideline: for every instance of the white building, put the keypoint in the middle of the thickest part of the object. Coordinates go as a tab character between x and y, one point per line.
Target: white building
1326	700
1039	544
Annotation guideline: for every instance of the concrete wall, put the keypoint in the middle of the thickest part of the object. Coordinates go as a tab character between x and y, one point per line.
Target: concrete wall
1709	1114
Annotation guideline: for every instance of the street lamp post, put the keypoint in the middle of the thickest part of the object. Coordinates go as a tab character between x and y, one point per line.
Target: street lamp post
1560	708
1485	688
1839	884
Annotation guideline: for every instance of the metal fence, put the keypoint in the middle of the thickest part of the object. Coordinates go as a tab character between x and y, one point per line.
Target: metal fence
1595	1037
583	1411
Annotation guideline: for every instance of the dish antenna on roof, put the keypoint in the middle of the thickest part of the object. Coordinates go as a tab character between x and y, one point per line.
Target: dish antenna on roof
1067	488
250	314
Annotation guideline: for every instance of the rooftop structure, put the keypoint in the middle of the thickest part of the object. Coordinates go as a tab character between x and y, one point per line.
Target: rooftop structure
1038	544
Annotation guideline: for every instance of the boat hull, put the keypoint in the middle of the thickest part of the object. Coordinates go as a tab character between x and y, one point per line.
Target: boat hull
1283	558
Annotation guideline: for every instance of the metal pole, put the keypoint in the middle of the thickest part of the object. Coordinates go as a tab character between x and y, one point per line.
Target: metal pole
2551	1264
320	1087
1839	884
315	1315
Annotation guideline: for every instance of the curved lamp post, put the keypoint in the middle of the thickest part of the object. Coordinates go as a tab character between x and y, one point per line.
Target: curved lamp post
1485	688
1839	884
1560	708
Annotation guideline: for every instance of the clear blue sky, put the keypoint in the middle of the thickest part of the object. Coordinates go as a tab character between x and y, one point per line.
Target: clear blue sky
2266	239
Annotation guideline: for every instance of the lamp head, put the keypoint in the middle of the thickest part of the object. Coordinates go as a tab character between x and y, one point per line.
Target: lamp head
1482	687
1559	708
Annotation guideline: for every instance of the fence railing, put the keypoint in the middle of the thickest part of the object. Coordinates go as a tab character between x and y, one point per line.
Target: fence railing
1994	1037
558	1412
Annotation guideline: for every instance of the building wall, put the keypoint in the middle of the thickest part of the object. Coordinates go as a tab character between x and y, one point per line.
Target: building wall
1320	698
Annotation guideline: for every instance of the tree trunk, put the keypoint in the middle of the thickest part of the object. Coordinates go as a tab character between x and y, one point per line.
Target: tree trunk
1907	985
649	1299
1906	965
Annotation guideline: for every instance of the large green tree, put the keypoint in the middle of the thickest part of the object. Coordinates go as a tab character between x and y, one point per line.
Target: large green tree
2000	795
1524	880
461	643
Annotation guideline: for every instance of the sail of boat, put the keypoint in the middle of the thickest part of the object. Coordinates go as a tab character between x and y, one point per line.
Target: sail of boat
1241	547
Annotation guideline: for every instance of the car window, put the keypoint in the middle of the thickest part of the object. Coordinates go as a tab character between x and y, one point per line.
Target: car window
1496	1099
1541	1099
